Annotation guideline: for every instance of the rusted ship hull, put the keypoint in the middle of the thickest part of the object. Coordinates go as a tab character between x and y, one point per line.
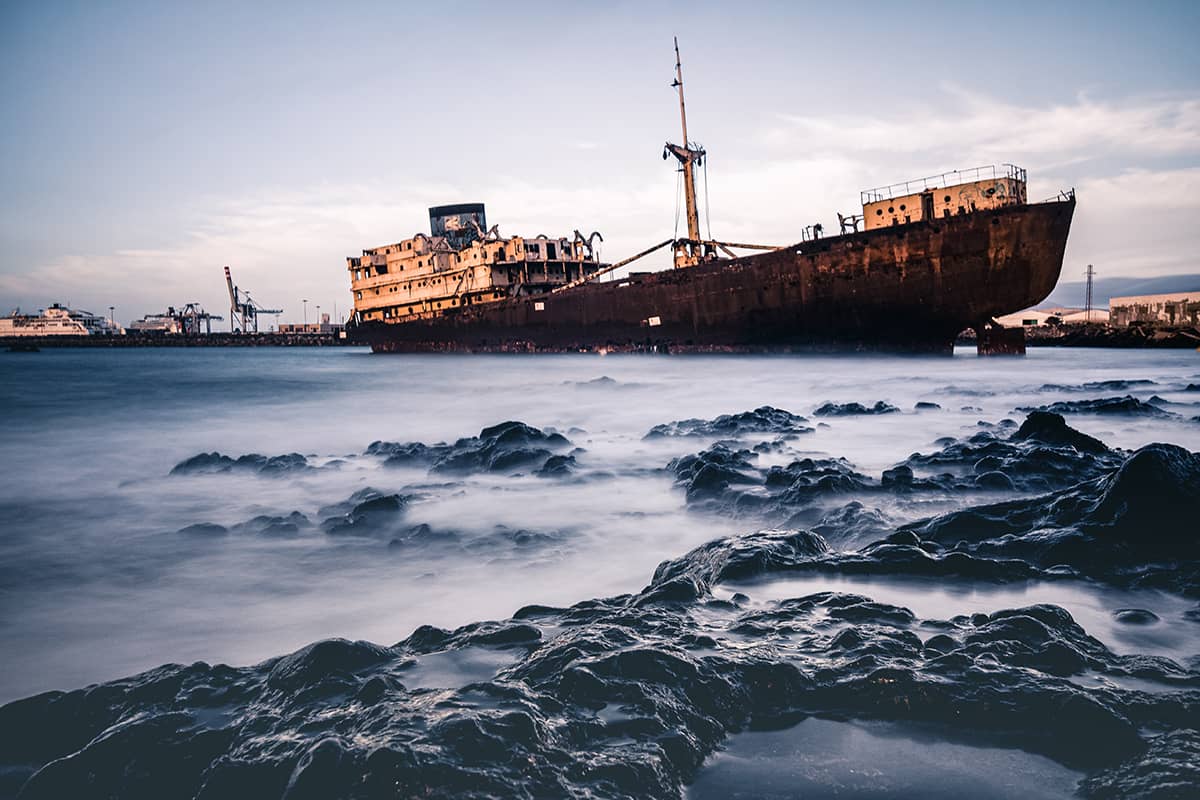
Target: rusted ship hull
910	287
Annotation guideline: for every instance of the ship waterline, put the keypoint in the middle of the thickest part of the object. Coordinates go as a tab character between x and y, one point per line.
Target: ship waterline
910	286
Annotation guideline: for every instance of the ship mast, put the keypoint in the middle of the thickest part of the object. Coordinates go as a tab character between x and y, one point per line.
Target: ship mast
690	156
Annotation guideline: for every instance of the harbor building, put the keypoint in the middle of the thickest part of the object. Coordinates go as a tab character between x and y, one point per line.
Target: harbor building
1179	308
322	326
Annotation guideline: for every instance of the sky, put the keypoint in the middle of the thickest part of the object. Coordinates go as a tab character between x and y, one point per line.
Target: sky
146	145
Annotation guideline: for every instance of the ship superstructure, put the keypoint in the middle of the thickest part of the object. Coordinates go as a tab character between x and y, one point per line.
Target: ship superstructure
57	320
463	264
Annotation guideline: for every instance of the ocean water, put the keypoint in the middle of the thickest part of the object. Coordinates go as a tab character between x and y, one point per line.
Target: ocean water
112	564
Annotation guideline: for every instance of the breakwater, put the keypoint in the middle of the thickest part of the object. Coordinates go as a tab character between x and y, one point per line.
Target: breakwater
161	340
1134	337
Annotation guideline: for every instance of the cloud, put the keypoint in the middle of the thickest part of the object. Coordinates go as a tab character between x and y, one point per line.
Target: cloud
979	124
1139	222
1134	165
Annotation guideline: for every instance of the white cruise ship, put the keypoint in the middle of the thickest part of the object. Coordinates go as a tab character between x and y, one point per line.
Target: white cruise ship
57	320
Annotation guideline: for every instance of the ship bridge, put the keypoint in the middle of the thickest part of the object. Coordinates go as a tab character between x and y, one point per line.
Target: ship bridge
945	195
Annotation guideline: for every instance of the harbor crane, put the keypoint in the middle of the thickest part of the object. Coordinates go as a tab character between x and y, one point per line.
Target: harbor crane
189	319
243	311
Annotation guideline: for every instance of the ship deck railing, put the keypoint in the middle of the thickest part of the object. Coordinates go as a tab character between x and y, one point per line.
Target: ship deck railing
942	181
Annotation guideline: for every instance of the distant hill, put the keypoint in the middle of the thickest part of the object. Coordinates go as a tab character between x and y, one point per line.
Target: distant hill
1071	294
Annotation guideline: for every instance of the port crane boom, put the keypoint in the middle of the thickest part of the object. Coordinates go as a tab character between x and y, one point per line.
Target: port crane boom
243	311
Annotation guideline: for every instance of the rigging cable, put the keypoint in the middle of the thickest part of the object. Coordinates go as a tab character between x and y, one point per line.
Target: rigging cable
678	193
707	218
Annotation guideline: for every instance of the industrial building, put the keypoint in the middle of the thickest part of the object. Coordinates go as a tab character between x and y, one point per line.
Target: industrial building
322	326
1179	309
1033	317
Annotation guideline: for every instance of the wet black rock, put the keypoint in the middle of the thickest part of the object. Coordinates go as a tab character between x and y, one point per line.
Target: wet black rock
618	697
1135	616
274	525
854	409
995	481
1133	526
504	447
372	514
498	545
262	525
852	522
807	479
1043	454
738	558
204	529
204	462
709	474
603	382
345	506
558	466
898	476
1162	402
423	535
507	447
1098	386
1120	406
1052	429
765	419
214	462
1192	387
501	448
925	405
402	454
967	391
331	660
1169	769
726	480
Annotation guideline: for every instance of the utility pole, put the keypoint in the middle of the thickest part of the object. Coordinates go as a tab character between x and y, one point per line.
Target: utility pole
305	302
112	319
1087	302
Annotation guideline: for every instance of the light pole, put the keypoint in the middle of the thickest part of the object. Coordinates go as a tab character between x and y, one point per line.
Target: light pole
318	319
305	328
112	319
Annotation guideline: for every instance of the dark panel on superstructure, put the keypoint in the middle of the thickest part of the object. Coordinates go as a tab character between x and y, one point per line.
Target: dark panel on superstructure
458	223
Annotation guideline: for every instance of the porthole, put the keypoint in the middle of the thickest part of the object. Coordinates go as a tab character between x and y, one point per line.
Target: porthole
946	199
891	210
879	212
902	206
